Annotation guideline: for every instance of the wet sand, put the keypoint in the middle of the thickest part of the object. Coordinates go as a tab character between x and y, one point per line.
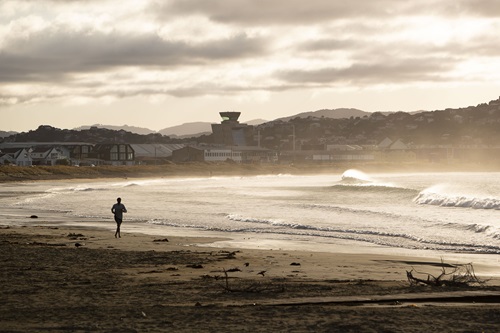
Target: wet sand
82	279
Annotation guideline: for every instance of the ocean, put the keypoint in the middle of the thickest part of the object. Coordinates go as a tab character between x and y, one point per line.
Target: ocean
438	213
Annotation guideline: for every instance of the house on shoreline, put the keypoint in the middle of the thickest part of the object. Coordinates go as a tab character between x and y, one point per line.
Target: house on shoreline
16	156
221	153
65	153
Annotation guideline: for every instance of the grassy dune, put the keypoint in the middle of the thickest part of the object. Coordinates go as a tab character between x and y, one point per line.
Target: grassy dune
199	169
16	173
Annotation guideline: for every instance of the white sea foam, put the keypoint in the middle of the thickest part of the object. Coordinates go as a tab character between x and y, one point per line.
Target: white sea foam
446	200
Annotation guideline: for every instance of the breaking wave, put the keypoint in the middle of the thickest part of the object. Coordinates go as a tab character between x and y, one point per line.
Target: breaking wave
355	180
353	176
445	200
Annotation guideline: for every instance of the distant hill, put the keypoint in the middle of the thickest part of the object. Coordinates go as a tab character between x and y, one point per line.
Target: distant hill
196	129
255	122
47	133
4	134
192	129
330	113
132	129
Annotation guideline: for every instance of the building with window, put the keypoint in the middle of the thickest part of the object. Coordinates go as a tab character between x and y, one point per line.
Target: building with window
74	152
113	154
154	153
45	155
16	156
230	132
238	154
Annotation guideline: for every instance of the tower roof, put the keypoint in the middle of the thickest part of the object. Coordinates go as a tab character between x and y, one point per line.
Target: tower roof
230	116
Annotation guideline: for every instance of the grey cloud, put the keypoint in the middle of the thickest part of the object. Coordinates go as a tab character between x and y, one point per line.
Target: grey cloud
279	11
363	49
298	12
211	89
402	71
360	74
199	89
330	45
481	8
56	55
90	91
466	51
488	8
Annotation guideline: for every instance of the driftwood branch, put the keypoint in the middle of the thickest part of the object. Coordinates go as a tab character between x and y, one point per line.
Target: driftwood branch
251	287
458	275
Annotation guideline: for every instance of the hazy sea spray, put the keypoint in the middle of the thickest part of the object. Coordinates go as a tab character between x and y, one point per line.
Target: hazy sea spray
438	196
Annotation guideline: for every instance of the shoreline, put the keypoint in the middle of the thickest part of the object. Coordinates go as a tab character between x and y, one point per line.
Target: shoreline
363	262
71	279
17	217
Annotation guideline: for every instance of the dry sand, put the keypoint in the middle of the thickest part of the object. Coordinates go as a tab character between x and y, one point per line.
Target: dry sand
67	279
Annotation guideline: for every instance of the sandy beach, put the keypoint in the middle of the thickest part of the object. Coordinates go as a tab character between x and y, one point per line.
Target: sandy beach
61	277
72	279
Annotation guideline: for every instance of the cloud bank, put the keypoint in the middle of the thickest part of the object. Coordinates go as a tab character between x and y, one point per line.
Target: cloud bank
53	50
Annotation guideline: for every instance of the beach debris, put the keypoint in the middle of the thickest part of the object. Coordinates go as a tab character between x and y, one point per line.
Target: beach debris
78	244
295	264
461	275
261	273
195	266
143	314
42	244
74	236
247	264
172	269
411	306
33	217
227	254
197	304
207	276
249	286
161	240
236	269
151	272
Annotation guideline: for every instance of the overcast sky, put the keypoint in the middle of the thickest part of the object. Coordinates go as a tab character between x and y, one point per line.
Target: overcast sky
160	63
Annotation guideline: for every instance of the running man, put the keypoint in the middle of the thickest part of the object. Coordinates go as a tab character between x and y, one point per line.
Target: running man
118	209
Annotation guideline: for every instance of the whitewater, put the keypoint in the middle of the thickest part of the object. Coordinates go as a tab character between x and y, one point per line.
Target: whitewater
439	212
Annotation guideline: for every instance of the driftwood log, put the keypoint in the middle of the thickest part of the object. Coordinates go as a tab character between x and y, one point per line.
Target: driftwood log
458	275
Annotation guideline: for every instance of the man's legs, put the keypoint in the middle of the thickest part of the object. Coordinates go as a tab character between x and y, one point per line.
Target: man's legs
118	230
118	224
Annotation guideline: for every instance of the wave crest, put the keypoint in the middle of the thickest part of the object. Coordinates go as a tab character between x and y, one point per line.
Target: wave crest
444	200
353	176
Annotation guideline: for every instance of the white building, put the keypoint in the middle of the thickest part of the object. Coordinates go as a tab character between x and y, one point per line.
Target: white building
17	156
222	154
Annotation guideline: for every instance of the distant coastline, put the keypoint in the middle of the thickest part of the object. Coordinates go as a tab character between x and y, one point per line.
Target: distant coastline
9	173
